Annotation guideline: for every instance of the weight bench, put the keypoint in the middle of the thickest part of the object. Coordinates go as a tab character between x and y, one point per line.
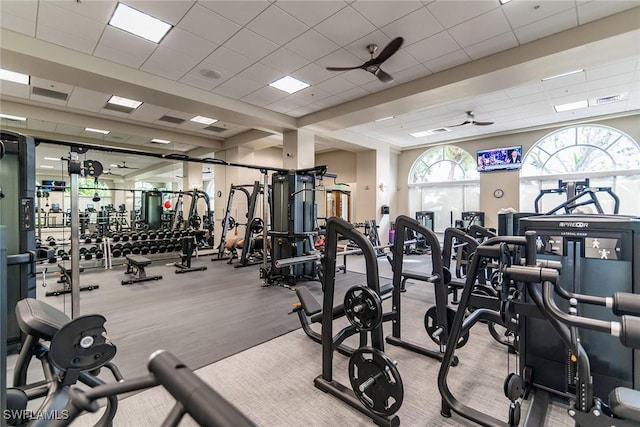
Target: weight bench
310	311
135	266
65	279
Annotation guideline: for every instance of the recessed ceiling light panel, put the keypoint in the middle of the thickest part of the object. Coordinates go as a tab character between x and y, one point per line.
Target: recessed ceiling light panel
384	118
204	120
102	131
135	22
420	134
55	159
11	117
571	106
160	141
12	76
289	84
568	73
46	167
124	102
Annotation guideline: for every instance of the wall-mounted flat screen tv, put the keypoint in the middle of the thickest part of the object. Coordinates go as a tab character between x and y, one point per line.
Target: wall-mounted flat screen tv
500	159
51	185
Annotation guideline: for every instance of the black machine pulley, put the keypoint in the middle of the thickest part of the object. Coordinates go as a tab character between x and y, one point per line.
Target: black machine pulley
81	345
195	221
434	328
92	168
376	381
231	223
363	308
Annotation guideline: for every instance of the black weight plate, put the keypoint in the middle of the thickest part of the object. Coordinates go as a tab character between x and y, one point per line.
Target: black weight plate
513	387
431	325
376	381
363	308
116	253
81	344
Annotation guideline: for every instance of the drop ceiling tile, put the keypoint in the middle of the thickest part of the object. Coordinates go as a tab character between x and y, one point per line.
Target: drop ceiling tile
250	44
67	40
449	60
19	16
612	82
312	45
399	62
208	25
525	90
451	13
263	96
67	22
335	85
284	60
299	112
313	74
170	11
433	47
194	79
261	73
87	100
237	87
376	85
124	48
148	112
8	88
410	74
604	71
311	12
537	96
188	43
100	11
345	26
277	25
545	27
286	104
240	12
480	28
380	13
493	45
169	63
114	113
356	92
559	97
309	95
278	107
413	27
562	82
228	60
521	13
593	10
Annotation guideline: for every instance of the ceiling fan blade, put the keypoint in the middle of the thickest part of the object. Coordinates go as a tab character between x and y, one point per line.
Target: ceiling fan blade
482	123
389	50
343	68
466	122
384	77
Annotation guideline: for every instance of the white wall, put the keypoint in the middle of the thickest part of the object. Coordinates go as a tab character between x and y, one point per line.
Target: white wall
342	163
509	181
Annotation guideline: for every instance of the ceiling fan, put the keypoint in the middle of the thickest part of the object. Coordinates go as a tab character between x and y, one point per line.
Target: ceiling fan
471	121
373	65
108	172
124	166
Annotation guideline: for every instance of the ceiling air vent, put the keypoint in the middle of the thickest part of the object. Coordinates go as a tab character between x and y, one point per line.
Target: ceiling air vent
171	119
607	99
215	128
61	96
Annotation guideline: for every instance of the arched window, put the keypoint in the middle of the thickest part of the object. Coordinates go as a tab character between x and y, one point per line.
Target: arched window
606	156
445	181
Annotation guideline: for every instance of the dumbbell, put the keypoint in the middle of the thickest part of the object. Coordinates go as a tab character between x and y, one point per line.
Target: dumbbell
134	237
88	256
152	235
126	251
116	253
153	249
98	239
93	249
136	250
87	240
124	237
61	252
145	250
53	260
127	246
115	238
99	255
162	248
143	236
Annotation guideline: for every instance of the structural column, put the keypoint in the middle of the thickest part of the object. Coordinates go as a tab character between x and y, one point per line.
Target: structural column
298	149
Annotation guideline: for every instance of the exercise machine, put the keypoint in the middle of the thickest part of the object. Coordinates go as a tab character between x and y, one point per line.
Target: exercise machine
376	386
579	194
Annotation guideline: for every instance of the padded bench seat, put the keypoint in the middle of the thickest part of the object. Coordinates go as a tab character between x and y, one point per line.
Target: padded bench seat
135	267
625	403
39	319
